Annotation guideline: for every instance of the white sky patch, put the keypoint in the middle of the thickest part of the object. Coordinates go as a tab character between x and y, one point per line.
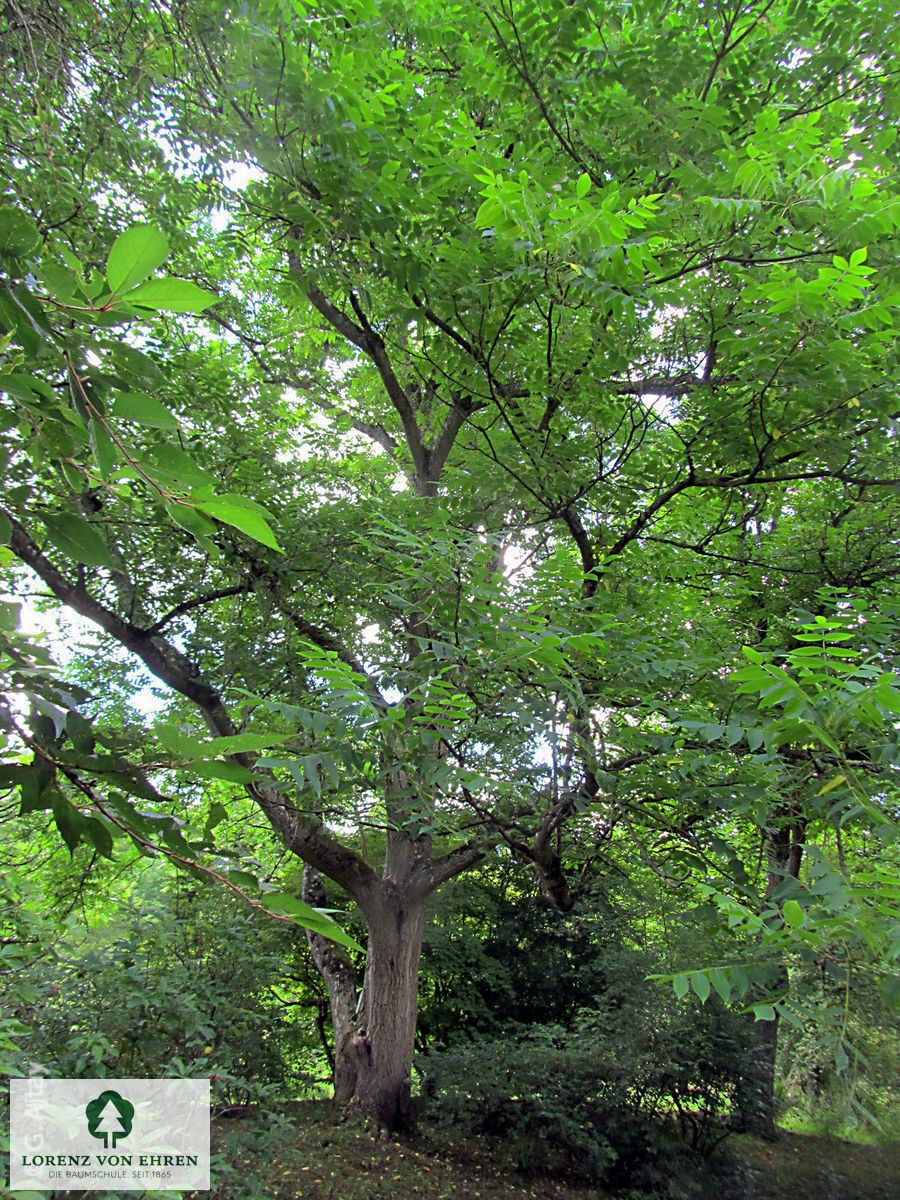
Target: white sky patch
300	450
517	561
239	175
64	632
236	176
67	635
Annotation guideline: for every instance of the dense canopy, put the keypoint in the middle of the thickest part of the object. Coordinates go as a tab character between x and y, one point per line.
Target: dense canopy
481	419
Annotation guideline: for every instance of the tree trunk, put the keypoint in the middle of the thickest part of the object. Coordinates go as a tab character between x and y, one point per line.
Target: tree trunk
336	968
756	1099
784	852
383	1043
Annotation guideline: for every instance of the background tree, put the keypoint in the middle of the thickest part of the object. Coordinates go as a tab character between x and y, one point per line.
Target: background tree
553	360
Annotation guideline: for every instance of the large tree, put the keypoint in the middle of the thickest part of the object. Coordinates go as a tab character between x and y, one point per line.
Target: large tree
552	359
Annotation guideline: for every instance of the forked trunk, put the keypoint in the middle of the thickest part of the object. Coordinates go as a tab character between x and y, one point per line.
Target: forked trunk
381	1047
339	975
784	852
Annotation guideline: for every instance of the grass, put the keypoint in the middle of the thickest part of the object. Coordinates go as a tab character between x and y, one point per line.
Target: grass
309	1151
820	1168
317	1155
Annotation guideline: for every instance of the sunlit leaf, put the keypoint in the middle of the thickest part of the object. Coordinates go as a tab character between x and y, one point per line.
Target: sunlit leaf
135	254
77	539
171	295
136	406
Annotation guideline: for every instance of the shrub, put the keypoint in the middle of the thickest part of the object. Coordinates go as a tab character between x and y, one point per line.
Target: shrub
176	983
558	1107
621	1100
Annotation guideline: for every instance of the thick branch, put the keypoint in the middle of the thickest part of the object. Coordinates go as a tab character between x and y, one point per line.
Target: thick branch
435	873
198	602
374	432
585	546
649	513
662	386
311	387
437	456
325	641
336	967
303	835
370	343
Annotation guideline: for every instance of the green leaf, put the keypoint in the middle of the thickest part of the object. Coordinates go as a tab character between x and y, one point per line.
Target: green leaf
890	990
103	447
98	834
170	462
700	984
217	814
10	611
719	980
243	743
12	774
77	539
831	785
179	743
24	387
793	914
80	732
230	772
763	1012
171	295
243	879
681	984
35	786
755	739
583	186
134	362
18	233
32	310
246	519
184	746
187	517
135	406
69	821
135	254
310	918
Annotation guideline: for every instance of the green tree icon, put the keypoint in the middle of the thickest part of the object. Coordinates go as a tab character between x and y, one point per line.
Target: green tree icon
109	1116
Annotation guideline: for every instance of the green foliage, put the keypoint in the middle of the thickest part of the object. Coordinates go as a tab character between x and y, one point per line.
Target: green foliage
514	368
496	959
633	1090
63	743
176	982
550	1107
27	935
627	1099
838	1056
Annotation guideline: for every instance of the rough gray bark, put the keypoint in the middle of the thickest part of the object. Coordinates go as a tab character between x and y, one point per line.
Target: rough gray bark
784	851
339	975
374	1028
383	1044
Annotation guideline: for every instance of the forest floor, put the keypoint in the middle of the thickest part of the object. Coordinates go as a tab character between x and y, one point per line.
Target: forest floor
311	1153
319	1156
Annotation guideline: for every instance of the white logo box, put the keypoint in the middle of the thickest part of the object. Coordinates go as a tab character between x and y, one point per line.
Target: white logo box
109	1134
